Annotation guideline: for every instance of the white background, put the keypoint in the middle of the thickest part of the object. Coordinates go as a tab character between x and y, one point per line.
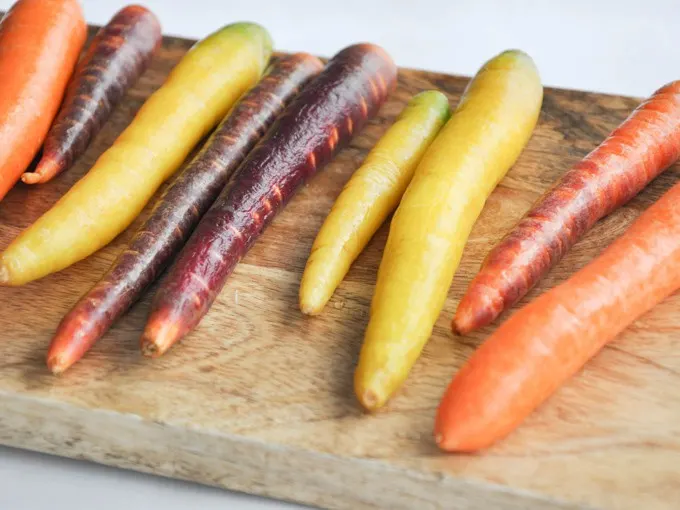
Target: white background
618	46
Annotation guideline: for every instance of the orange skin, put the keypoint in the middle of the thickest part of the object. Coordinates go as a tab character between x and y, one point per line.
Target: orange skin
40	41
550	339
636	152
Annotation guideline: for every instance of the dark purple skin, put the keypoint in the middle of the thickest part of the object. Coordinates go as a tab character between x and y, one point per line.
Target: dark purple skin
180	208
118	55
322	119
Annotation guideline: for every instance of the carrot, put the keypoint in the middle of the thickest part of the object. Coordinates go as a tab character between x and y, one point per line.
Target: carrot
642	147
40	41
322	119
471	154
370	196
178	210
197	94
550	339
117	56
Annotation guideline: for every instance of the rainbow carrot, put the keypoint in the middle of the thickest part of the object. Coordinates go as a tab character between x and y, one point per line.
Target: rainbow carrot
322	119
195	97
40	41
372	193
118	55
550	339
636	152
178	210
483	138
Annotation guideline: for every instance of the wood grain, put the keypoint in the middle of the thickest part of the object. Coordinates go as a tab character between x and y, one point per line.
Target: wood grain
259	398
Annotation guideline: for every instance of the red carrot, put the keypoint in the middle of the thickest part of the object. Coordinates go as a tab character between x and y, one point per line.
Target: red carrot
178	210
40	41
118	55
322	119
636	152
550	339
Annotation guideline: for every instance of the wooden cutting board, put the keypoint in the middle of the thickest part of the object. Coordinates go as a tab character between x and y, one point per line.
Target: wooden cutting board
259	398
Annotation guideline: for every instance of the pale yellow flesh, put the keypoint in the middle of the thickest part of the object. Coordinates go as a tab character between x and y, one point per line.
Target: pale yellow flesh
473	151
196	95
369	197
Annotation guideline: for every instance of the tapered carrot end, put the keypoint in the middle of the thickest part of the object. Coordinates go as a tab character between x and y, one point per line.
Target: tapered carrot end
31	177
58	364
67	348
448	441
444	444
463	424
46	170
445	440
309	308
77	332
369	400
462	325
159	335
476	310
314	288
370	389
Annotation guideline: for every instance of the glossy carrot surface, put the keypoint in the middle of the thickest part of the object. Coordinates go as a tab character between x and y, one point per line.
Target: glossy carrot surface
117	56
197	94
323	118
179	209
550	339
642	147
371	194
484	137
40	41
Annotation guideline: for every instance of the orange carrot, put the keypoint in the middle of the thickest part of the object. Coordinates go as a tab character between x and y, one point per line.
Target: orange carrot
637	151
40	41
550	339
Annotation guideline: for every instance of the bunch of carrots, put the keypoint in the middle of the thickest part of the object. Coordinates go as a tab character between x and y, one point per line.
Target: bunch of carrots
40	42
274	125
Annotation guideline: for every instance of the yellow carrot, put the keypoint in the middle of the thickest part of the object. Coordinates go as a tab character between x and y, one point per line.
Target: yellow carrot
369	197
196	95
471	154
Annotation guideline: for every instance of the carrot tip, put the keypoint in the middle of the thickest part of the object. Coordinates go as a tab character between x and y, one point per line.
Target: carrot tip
47	169
369	400
31	177
462	326
457	329
443	445
158	337
57	365
149	348
308	309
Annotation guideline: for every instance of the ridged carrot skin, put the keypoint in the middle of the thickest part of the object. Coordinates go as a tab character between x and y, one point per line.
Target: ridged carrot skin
636	152
550	339
484	137
371	194
322	119
197	94
178	210
117	56
40	41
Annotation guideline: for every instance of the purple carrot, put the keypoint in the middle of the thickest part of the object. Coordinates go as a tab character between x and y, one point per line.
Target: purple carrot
118	55
322	119
179	209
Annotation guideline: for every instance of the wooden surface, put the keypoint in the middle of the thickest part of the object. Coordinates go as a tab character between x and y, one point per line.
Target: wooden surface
259	398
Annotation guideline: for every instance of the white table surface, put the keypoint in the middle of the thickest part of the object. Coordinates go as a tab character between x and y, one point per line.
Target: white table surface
618	46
